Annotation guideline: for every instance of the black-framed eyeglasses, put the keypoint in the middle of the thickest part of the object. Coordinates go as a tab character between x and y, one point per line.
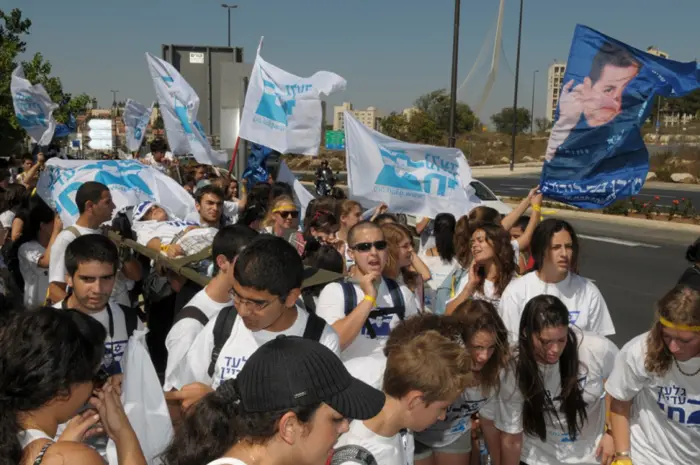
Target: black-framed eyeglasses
286	215
253	305
367	246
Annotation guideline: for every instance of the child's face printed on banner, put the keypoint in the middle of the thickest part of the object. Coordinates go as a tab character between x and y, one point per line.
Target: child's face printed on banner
605	99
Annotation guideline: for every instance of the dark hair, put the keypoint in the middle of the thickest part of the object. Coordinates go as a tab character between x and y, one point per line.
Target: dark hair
522	222
484	214
217	422
338	194
462	241
545	311
327	204
279	189
16	198
324	257
27	156
385	218
43	353
692	254
229	242
4	174
159	145
444	231
253	212
91	248
323	221
209	189
90	191
259	195
613	55
270	264
542	241
359	227
504	256
39	213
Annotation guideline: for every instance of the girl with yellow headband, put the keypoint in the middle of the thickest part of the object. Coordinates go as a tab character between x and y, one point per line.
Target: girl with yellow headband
658	373
282	217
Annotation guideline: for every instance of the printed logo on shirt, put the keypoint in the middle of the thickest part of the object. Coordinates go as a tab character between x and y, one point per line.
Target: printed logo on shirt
381	326
229	367
573	317
114	351
674	401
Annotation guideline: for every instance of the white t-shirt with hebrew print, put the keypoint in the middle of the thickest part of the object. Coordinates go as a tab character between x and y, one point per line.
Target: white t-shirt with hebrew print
331	307
665	414
596	359
394	450
587	308
237	350
458	421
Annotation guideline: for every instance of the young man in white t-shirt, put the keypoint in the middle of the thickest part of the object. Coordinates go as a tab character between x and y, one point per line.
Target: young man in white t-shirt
208	302
95	205
267	280
423	376
655	387
363	314
159	158
91	268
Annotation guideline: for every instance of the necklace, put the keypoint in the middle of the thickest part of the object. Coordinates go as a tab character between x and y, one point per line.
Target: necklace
683	372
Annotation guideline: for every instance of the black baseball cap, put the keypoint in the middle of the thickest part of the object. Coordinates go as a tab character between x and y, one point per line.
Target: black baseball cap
290	371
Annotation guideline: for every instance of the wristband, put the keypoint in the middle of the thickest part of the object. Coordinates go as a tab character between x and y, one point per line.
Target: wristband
622	455
370	299
164	247
622	461
537	208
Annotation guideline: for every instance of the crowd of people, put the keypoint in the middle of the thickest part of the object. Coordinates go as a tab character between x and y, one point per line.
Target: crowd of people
482	344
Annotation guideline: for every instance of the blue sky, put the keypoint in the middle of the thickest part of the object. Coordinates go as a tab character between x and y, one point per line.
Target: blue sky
390	51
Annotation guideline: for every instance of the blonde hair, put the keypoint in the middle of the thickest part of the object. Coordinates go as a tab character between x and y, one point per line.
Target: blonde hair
276	204
680	306
427	353
346	207
394	234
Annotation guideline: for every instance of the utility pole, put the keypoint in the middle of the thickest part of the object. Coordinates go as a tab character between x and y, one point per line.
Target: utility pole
114	122
229	8
452	139
532	108
515	92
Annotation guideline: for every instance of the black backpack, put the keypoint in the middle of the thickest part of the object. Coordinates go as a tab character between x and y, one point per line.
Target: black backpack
398	309
224	325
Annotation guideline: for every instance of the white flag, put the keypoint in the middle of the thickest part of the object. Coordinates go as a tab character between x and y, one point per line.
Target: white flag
33	108
415	179
283	111
304	197
179	103
136	117
129	182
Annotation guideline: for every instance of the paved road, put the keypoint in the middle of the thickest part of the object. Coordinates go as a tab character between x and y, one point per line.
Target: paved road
519	185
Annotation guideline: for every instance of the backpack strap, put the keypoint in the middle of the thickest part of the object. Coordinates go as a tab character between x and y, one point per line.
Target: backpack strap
130	318
73	230
314	327
352	453
349	296
39	458
396	297
191	312
309	303
222	330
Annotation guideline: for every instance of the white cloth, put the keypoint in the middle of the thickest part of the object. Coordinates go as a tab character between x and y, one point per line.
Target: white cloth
136	117
183	334
116	344
164	230
230	214
57	260
36	278
28	436
33	108
414	179
489	294
439	271
368	369
596	359
427	240
302	194
6	219
458	421
665	414
283	111
331	307
394	450
226	461
237	349
587	308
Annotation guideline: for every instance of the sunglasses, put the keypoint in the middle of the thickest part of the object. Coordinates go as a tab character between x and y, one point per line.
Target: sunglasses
286	215
367	246
100	378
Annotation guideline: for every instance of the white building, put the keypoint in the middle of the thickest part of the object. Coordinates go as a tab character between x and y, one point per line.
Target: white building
367	117
555	81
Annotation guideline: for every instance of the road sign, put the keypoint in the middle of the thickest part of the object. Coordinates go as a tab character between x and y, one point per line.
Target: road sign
335	140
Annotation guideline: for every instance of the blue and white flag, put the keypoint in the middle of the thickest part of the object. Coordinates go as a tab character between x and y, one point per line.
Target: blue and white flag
415	179
596	154
63	130
283	111
256	169
33	108
302	194
179	104
129	182
136	117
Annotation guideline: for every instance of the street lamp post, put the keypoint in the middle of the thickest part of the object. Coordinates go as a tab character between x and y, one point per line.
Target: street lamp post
515	92
532	108
452	139
229	8
114	121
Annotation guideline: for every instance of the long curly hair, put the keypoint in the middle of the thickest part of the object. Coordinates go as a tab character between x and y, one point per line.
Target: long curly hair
681	305
462	242
503	256
216	423
394	234
43	353
480	315
545	311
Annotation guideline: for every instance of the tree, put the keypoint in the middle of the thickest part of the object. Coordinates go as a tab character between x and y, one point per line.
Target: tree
542	125
423	129
504	120
395	125
436	105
